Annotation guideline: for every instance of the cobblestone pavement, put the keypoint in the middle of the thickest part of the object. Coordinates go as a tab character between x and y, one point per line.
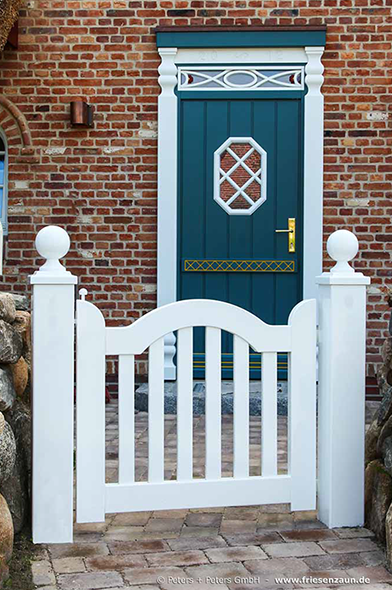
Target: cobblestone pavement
236	548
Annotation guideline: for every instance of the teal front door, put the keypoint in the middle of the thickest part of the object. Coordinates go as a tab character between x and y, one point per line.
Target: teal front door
240	180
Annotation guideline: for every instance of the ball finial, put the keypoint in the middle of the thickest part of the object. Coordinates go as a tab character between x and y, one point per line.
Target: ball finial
342	246
52	242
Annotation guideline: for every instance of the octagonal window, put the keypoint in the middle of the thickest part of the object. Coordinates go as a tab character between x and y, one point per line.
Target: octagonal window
240	175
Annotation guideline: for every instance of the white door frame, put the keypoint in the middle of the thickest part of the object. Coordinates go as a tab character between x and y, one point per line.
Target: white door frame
167	161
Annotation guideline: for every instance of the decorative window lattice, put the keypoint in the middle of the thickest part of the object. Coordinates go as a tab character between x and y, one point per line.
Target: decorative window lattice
240	78
240	174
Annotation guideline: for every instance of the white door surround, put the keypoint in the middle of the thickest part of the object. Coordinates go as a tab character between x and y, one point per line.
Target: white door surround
171	58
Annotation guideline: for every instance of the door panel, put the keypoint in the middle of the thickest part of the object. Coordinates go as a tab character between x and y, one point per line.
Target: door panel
207	232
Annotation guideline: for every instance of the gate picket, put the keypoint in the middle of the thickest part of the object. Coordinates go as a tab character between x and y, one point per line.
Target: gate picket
156	414
185	404
269	419
241	408
213	404
126	418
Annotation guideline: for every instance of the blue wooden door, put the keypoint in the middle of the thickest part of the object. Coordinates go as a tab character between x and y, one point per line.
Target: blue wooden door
240	258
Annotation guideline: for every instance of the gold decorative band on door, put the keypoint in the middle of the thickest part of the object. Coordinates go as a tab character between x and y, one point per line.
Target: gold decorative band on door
237	265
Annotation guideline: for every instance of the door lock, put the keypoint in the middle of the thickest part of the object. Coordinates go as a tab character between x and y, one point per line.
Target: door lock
291	233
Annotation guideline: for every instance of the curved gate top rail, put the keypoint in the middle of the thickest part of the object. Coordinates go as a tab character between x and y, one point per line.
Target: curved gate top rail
342	304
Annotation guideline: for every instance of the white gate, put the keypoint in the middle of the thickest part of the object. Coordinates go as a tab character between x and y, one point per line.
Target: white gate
94	341
341	347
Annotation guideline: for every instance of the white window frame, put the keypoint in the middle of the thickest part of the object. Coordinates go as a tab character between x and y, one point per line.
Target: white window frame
172	58
4	186
218	178
224	82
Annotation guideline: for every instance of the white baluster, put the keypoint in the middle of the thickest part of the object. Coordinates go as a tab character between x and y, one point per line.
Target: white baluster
213	404
241	407
156	412
126	417
269	420
185	404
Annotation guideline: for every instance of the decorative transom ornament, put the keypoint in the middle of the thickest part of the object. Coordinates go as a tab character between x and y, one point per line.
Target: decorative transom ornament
240	175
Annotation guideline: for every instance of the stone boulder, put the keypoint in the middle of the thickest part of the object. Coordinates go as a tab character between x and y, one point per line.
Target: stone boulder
22	324
6	539
21	302
7	450
11	344
17	489
371	440
7	391
378	498
20	375
7	308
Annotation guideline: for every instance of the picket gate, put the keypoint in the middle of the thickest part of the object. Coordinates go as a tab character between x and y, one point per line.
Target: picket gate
341	343
95	340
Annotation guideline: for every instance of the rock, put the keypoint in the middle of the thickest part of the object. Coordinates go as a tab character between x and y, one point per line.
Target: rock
19	418
11	344
22	324
6	539
7	450
7	391
385	409
7	308
380	501
369	478
386	450
21	302
20	375
388	535
15	491
371	439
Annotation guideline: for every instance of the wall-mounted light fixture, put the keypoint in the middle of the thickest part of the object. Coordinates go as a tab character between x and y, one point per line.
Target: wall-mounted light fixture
81	114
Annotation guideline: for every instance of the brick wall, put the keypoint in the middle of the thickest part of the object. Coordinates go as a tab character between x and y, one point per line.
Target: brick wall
100	183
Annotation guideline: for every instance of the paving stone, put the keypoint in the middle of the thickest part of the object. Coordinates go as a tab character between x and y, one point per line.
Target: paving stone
308	535
217	570
350	533
197	531
164	524
68	565
170	513
87	537
123	547
77	550
189	543
373	558
375	574
42	573
218	509
277	508
123	533
116	562
285	567
348	546
241	513
153	575
90	527
337	561
176	558
235	554
90	581
253	539
132	518
293	549
275	522
238	526
203	519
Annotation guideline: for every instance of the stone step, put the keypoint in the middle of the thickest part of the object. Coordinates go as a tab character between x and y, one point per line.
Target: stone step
170	389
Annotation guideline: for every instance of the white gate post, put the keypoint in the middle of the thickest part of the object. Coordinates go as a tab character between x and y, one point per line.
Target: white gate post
341	409
53	390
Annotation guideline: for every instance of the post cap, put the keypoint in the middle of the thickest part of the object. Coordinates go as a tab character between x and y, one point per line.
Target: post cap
52	242
342	246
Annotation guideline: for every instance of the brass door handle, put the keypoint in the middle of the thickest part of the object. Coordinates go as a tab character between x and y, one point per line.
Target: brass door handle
291	233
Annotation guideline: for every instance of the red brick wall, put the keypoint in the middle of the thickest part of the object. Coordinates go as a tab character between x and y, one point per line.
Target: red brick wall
100	183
